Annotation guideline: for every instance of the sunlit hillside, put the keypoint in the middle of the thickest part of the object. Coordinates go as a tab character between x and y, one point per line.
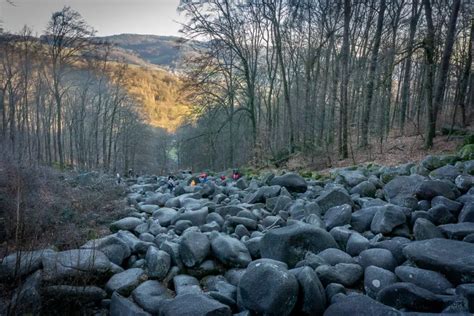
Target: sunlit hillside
158	92
155	88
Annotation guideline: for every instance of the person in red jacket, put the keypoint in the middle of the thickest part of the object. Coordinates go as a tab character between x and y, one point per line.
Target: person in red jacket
203	177
235	175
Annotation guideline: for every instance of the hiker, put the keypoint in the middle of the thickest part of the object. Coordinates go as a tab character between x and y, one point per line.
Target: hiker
203	177
171	183
130	173
194	180
236	175
119	179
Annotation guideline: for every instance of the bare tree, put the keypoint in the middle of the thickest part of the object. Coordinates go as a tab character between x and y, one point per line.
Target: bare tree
66	36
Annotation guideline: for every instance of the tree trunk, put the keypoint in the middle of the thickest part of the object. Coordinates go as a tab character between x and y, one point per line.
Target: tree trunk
408	62
444	67
343	151
430	71
371	76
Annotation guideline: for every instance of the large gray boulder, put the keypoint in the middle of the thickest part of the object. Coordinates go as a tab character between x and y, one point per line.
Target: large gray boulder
402	190
453	258
346	274
408	296
125	282
122	306
150	296
262	194
194	248
291	181
113	247
467	213
268	288
22	263
431	162
338	216
430	188
447	172
158	263
360	305
186	284
291	243
76	263
331	198
76	294
352	177
232	210
165	215
361	220
312	297
127	223
375	279
427	279
378	257
148	208
425	229
386	219
365	188
194	304
230	251
196	216
457	231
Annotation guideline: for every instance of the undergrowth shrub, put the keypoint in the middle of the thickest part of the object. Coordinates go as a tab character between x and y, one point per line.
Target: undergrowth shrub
41	206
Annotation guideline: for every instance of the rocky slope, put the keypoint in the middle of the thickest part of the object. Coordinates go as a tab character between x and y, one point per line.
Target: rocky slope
368	241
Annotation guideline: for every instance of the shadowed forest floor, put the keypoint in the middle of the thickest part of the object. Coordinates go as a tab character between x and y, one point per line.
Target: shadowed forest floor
395	151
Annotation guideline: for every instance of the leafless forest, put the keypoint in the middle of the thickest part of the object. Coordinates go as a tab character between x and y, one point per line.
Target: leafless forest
268	79
63	100
324	78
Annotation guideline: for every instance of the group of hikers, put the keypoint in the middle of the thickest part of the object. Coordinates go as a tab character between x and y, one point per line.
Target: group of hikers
202	178
172	179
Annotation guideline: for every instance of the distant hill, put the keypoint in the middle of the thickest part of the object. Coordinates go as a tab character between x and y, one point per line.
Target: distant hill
150	78
163	51
152	81
158	92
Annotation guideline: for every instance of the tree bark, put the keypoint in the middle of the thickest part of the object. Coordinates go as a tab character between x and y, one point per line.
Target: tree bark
371	76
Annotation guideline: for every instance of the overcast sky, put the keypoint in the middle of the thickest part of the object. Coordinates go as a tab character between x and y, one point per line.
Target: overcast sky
106	16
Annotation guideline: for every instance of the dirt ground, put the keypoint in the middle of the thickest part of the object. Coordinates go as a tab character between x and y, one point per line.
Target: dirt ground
395	150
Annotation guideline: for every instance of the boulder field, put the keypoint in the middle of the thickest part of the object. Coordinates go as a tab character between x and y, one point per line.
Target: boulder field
368	240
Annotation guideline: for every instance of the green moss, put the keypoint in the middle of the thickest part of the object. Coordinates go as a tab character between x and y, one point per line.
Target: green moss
92	234
319	176
306	174
469	139
467	152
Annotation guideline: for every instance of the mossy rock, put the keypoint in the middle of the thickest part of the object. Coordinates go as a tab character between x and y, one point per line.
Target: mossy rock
373	167
321	177
467	152
468	140
419	169
249	172
431	162
306	174
448	159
